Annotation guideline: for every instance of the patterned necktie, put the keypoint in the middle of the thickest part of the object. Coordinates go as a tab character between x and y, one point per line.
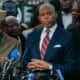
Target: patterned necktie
45	44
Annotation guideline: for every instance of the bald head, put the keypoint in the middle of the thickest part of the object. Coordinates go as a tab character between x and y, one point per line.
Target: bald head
12	28
11	18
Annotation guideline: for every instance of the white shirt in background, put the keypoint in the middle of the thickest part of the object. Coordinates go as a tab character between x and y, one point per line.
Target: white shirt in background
67	19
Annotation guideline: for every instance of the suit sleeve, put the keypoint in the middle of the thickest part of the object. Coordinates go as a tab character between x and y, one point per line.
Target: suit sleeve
26	57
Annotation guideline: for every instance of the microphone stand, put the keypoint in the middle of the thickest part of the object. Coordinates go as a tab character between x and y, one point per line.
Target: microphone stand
4	70
6	67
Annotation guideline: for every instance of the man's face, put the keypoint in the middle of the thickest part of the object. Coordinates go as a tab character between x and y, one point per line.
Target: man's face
47	16
65	4
13	28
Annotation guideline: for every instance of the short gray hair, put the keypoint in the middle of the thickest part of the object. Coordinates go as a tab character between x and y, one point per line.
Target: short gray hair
47	5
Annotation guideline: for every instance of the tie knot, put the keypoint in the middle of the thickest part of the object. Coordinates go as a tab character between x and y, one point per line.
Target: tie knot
47	31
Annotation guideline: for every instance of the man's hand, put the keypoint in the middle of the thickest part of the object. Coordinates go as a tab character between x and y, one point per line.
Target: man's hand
38	65
31	66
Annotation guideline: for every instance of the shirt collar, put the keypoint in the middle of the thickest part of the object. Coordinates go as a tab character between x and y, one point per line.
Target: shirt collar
63	13
52	29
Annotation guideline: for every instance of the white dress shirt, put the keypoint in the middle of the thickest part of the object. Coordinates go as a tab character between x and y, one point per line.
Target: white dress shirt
67	19
43	34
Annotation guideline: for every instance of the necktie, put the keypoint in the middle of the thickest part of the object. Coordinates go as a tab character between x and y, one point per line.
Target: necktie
45	44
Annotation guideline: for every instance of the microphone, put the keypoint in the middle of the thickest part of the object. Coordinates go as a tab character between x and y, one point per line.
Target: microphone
59	74
14	55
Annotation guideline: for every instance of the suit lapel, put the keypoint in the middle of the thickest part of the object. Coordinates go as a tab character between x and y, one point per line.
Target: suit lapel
59	20
37	49
55	39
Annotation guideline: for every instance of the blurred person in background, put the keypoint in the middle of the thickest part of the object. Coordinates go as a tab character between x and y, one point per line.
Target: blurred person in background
10	7
64	15
7	43
75	11
74	27
56	3
13	29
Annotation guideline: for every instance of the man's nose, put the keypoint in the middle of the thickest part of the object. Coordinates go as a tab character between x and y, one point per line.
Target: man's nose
45	16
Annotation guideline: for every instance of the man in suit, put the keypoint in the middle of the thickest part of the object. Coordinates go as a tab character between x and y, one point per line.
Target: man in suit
61	50
64	15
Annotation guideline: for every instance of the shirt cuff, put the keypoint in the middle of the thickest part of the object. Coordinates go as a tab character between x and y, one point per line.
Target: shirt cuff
50	67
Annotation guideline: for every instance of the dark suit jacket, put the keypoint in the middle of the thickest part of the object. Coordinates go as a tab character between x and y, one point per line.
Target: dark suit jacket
59	19
61	51
56	3
75	29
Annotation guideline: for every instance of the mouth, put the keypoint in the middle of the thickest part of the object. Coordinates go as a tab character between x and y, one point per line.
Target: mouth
47	22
